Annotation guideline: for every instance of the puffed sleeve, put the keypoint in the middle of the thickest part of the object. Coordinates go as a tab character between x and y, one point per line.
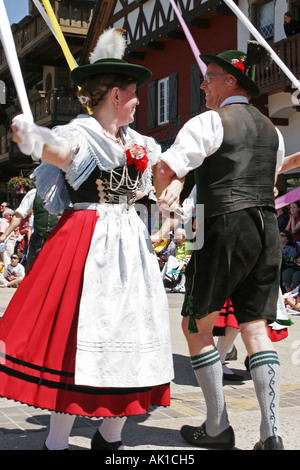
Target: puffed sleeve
199	138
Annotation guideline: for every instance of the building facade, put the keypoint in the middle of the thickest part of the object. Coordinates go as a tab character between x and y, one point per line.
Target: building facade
155	40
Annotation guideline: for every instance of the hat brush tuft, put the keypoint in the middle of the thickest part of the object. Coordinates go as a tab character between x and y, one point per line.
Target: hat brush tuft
111	44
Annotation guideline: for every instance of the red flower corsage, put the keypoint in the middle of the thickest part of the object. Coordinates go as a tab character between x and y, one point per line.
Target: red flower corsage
238	64
136	155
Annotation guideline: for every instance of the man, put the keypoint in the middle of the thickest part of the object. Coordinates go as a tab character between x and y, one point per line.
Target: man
11	243
235	152
13	274
3	207
43	224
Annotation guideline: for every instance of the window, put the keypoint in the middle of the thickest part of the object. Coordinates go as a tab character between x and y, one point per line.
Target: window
265	20
197	95
2	92
295	9
163	104
162	101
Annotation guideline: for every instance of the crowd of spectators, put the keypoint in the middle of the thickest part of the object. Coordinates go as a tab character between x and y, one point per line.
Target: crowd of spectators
12	249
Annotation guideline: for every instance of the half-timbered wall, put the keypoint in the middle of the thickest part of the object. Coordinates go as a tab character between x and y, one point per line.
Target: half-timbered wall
156	41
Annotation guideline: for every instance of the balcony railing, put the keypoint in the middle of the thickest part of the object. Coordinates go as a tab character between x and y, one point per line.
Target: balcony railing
52	108
270	78
73	19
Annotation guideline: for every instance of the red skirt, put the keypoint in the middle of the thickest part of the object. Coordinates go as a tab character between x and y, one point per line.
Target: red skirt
227	318
38	333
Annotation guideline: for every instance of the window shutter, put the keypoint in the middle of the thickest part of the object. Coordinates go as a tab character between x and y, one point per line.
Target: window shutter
151	105
196	77
173	97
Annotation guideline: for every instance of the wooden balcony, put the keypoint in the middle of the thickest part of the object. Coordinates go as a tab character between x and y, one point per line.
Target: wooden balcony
270	78
32	36
49	109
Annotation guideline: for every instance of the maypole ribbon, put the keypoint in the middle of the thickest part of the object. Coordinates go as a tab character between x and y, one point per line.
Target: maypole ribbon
262	41
48	22
56	29
190	39
13	61
288	198
43	13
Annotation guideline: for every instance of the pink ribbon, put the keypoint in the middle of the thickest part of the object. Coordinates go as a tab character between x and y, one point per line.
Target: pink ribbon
288	198
190	39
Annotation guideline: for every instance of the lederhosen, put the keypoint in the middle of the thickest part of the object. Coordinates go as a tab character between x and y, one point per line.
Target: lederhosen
240	257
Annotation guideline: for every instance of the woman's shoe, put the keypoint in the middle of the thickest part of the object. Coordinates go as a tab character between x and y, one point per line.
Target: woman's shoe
46	448
99	443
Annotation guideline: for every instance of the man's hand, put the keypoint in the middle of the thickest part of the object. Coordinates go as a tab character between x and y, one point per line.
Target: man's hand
169	198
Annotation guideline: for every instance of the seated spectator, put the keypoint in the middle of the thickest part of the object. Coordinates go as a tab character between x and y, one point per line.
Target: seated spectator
293	225
293	300
183	252
282	218
168	249
290	262
13	274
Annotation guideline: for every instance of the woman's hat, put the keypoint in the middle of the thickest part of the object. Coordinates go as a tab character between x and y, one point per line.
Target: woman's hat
241	65
107	58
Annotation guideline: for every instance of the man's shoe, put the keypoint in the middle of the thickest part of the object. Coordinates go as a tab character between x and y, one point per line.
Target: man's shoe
99	443
198	437
272	443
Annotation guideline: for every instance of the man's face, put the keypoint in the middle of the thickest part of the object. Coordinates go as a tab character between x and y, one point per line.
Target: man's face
8	217
3	206
14	260
215	86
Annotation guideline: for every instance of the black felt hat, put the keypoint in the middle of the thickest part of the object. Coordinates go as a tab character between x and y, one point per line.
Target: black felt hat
107	58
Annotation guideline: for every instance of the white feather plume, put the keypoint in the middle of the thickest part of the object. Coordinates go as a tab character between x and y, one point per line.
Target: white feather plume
111	44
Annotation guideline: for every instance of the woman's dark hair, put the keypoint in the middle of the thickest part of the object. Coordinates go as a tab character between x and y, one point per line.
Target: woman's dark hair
95	88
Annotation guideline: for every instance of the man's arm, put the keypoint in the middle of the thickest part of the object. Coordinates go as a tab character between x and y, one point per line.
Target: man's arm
290	162
14	223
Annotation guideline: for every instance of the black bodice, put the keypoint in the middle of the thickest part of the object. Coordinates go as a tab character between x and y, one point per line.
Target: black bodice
101	186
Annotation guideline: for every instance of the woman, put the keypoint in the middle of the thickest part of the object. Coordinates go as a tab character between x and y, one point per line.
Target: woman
293	225
91	336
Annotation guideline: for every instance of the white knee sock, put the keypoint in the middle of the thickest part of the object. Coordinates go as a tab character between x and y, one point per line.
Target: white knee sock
208	371
60	429
111	428
265	373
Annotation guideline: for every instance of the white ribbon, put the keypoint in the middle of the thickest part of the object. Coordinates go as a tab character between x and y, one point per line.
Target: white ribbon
45	17
13	62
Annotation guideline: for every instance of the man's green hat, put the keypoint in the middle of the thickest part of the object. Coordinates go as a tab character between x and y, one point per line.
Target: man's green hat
107	57
240	64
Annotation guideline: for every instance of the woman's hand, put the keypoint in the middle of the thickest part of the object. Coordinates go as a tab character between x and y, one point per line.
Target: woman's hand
170	196
16	138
